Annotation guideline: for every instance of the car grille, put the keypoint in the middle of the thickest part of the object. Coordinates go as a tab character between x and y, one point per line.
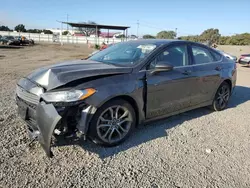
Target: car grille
26	96
31	122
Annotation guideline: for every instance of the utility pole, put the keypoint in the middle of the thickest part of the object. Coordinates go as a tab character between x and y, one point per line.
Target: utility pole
138	28
176	32
67	22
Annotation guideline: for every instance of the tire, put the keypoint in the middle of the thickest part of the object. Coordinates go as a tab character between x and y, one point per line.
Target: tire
222	97
121	125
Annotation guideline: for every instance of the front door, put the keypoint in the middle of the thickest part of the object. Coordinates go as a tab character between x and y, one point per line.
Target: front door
169	91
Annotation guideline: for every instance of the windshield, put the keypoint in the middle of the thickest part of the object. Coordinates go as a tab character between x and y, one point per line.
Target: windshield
124	54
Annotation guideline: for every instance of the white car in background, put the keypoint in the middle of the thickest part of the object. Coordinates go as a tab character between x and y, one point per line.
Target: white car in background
244	59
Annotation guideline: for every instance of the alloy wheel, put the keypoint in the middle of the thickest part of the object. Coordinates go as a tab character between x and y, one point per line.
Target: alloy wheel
114	124
223	96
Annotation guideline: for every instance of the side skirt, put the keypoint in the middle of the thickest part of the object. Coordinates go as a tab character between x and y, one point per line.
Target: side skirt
147	121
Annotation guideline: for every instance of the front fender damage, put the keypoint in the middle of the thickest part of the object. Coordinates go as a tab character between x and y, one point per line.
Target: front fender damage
47	119
86	116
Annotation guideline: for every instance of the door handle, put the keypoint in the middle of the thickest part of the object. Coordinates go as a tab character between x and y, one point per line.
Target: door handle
187	72
218	68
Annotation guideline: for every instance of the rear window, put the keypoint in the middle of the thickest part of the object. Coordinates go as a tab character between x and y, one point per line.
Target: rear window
217	56
201	55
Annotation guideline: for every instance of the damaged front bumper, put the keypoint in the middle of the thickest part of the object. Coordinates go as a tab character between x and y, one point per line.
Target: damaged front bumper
47	119
44	118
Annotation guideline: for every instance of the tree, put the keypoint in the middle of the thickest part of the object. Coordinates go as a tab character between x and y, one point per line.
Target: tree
89	31
34	31
210	36
121	36
65	33
166	35
4	28
193	38
47	31
239	39
148	36
20	28
224	40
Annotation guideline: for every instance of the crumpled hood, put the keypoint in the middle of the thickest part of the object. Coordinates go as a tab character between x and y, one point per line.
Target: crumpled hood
60	74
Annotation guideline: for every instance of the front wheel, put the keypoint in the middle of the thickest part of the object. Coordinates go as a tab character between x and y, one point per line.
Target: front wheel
221	97
112	123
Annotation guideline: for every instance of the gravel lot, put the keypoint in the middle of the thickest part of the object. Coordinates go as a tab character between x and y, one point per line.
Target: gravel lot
199	148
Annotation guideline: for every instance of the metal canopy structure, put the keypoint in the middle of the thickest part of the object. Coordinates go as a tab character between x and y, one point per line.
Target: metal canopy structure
99	26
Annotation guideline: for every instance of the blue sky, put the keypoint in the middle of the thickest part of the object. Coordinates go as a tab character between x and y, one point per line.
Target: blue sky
189	16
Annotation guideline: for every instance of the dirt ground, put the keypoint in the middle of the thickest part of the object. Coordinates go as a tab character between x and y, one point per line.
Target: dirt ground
235	50
199	148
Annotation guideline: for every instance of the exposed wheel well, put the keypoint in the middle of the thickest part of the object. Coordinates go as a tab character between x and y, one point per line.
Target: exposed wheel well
229	82
132	102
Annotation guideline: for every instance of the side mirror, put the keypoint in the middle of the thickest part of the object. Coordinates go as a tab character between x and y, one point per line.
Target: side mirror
162	66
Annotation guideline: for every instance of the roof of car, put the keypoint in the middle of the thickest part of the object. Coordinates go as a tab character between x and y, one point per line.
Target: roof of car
159	42
154	41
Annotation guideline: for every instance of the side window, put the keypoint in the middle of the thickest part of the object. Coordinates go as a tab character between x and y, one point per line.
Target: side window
201	55
176	56
217	56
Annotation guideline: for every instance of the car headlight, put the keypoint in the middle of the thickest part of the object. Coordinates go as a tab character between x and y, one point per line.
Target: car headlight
68	96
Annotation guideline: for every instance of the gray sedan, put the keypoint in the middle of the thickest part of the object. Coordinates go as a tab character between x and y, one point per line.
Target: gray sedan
126	85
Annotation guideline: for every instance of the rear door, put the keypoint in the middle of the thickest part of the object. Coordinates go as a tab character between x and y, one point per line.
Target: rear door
169	91
207	70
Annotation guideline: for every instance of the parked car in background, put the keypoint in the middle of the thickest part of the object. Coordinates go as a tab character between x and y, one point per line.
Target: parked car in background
232	57
9	40
24	41
244	59
5	39
106	96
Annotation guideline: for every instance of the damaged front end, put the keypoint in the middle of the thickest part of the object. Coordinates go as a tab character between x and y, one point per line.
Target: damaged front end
72	119
52	118
47	119
51	100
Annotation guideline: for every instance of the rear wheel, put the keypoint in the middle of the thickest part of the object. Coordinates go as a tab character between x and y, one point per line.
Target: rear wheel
221	97
112	123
